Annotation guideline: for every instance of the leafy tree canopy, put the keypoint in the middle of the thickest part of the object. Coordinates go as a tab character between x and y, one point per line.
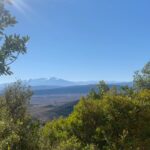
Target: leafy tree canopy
11	46
142	78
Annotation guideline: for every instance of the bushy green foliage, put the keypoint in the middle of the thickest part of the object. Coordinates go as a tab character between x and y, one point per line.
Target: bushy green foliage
69	144
142	78
53	133
17	129
8	133
17	99
113	122
102	88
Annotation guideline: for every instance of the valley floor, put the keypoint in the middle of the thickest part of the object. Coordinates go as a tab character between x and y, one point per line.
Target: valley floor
48	107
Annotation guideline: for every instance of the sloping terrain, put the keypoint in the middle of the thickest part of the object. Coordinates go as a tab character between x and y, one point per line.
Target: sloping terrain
49	112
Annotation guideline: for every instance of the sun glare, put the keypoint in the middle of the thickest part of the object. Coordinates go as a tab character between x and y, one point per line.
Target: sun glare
20	5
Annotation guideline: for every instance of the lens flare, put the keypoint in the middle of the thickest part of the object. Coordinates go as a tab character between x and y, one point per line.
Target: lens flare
20	5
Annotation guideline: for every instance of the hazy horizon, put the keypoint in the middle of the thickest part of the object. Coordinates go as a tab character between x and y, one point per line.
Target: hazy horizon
75	81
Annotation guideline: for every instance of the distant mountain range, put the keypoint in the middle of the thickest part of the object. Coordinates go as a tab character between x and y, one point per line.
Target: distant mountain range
53	83
49	82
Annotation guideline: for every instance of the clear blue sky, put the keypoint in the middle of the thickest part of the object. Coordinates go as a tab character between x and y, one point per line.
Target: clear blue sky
82	39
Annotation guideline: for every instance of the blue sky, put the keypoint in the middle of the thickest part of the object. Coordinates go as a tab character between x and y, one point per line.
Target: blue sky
82	39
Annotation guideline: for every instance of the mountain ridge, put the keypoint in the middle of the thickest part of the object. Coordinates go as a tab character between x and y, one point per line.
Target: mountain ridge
53	82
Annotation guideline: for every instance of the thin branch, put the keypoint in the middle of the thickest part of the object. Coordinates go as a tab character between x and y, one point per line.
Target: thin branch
13	60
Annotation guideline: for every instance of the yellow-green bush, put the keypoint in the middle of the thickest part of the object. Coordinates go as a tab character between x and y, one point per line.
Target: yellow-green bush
111	123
